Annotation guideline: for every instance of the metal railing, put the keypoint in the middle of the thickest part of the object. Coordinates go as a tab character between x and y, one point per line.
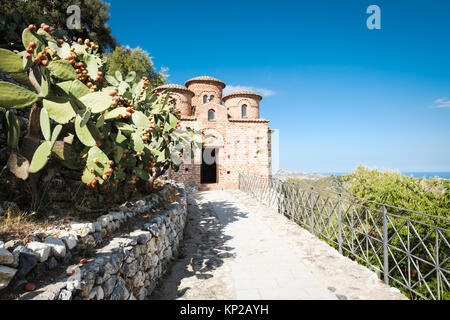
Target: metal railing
408	249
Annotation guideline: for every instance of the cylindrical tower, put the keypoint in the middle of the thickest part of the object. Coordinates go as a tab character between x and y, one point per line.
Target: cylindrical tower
243	104
182	95
206	89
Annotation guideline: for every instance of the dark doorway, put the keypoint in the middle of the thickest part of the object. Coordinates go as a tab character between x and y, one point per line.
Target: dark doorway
208	172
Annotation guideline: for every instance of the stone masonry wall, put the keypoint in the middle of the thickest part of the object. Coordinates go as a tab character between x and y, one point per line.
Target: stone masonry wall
244	145
234	107
208	88
127	267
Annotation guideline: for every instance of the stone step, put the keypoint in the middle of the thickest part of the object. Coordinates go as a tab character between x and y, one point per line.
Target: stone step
210	186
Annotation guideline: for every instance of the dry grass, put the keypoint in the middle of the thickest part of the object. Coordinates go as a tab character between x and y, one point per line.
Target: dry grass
18	223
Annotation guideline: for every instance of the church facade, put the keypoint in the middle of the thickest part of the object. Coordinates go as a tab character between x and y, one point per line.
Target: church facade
235	138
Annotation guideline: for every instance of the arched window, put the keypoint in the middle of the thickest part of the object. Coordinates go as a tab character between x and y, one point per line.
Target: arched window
211	98
244	110
205	98
211	115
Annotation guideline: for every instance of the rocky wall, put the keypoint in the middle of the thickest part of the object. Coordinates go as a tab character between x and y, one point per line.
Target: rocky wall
123	264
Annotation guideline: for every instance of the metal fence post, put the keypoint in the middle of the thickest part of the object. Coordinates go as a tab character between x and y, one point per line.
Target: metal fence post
281	199
286	203
385	247
438	274
340	224
239	181
312	211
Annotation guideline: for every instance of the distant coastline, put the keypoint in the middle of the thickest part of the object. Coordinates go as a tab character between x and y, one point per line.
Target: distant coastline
311	175
444	175
414	174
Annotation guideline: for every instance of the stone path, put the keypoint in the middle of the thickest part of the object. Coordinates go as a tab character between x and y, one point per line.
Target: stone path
237	248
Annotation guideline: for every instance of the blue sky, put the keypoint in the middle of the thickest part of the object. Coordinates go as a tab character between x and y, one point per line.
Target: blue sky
339	93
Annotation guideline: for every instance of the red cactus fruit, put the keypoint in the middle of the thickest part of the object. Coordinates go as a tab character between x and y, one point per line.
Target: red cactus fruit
30	286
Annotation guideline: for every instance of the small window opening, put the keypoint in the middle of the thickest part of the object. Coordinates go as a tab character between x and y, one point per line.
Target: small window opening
211	115
244	111
205	98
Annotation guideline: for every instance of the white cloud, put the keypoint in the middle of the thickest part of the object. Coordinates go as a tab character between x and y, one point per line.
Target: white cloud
262	91
441	103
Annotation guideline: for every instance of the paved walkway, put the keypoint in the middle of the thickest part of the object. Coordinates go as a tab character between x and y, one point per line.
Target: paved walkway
237	248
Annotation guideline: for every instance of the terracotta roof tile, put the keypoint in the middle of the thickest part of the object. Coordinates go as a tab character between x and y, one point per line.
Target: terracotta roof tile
242	93
173	86
205	78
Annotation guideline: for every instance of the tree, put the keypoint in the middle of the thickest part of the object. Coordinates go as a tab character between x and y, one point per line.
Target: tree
15	15
125	60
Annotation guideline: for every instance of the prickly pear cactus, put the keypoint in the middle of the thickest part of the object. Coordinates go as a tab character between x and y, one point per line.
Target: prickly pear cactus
119	130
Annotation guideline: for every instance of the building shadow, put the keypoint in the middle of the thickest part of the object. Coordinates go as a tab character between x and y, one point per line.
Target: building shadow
203	249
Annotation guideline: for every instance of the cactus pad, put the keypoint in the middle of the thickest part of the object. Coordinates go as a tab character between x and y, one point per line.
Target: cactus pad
59	109
140	120
13	129
100	167
40	157
62	69
10	62
86	134
45	124
115	113
16	97
97	101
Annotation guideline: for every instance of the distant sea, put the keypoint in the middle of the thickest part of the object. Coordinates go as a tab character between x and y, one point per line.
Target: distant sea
427	175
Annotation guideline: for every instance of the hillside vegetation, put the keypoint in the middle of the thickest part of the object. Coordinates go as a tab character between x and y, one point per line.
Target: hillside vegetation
431	196
410	234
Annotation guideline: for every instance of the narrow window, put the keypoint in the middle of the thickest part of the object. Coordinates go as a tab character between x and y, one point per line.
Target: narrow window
205	98
211	98
244	111
211	115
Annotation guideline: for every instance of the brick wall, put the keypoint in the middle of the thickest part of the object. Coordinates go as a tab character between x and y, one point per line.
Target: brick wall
234	106
243	146
208	88
243	143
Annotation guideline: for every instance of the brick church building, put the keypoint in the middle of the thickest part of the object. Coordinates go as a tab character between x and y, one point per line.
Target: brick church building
234	137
